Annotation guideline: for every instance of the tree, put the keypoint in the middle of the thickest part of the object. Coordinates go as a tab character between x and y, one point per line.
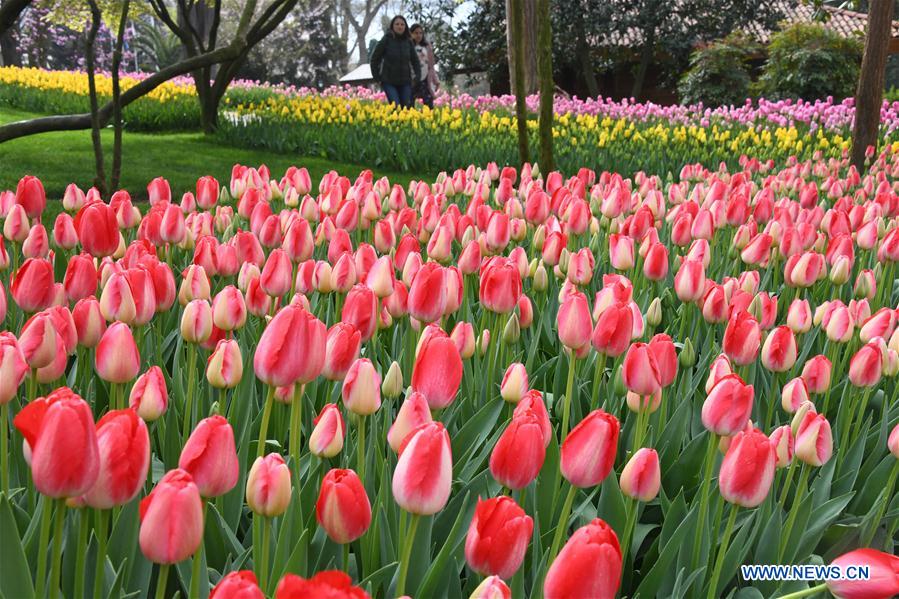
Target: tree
869	95
516	36
196	24
10	10
247	30
527	37
547	88
360	16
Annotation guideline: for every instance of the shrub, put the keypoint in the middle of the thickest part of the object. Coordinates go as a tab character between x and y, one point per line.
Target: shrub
719	73
808	61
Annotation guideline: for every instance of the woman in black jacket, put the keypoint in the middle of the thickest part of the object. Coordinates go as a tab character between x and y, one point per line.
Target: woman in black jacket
395	64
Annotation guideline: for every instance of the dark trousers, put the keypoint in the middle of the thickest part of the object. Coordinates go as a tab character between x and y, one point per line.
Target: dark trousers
422	91
398	94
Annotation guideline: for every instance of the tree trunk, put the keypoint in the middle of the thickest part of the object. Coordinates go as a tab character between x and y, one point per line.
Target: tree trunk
545	71
9	53
869	95
89	59
525	11
585	64
645	58
117	99
514	30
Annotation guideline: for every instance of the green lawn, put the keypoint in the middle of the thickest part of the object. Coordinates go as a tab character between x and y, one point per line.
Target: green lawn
67	157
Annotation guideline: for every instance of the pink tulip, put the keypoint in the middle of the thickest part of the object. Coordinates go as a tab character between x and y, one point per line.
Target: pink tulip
210	457
171	519
423	476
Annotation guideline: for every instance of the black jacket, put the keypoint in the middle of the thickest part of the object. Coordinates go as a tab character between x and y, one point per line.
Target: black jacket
395	61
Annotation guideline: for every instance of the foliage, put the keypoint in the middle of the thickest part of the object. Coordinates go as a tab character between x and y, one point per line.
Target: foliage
719	73
808	61
155	45
302	51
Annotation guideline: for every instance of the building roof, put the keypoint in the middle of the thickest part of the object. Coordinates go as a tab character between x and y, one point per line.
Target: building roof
847	23
361	74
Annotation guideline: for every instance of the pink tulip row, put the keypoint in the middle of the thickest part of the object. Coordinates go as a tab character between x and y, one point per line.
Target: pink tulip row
370	259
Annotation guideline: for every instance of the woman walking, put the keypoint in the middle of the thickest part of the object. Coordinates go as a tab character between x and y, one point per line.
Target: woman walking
394	63
427	84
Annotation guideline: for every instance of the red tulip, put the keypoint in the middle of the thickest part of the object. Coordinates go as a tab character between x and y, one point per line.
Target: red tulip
98	229
574	322
13	367
641	476
742	338
210	457
80	278
268	486
728	406
117	359
662	349
326	439
38	341
588	452
361	310
30	196
500	285
866	366
89	322
612	333
816	374
437	372
748	469
331	584
237	585
124	446
342	348
689	282
32	286
423	476
427	293
640	371
519	452
291	349
883	575
589	565
59	430
149	396
171	519
814	441
36	245
498	537
361	391
343	509
207	192
779	351
655	264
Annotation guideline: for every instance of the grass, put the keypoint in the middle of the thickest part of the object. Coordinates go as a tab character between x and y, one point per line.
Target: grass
67	157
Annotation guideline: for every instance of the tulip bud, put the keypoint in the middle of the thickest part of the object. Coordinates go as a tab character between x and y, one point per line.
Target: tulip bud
117	359
588	452
196	321
343	509
654	312
687	356
641	476
210	457
515	383
816	374
814	442
171	519
793	395
149	396
498	537
224	368
422	479
361	389
519	453
512	330
268	486
589	565
540	278
748	469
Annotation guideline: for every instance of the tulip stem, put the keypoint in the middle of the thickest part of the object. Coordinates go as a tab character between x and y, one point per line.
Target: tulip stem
407	551
786	486
4	449
46	514
266	416
794	511
360	446
162	580
722	551
569	389
704	497
263	553
561	525
806	592
189	403
630	521
597	378
78	589
296	421
100	531
861	414
57	547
